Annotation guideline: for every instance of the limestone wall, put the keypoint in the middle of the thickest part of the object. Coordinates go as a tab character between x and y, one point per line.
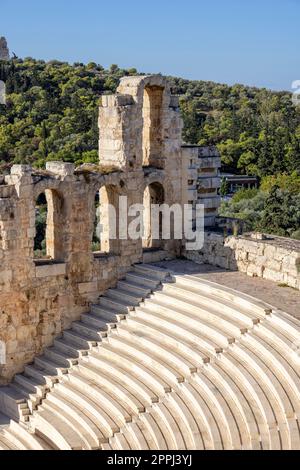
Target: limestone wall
40	298
274	258
140	149
140	146
200	172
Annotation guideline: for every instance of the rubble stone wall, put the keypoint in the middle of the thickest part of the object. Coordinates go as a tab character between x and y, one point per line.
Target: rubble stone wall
274	258
40	298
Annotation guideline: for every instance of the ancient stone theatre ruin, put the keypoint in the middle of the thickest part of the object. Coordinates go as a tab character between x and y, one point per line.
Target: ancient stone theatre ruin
115	347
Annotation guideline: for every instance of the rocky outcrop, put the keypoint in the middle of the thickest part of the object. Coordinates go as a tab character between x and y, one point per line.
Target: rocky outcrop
4	51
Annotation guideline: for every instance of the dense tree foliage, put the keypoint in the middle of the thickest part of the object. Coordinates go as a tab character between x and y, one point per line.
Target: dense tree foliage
256	130
276	211
52	110
51	114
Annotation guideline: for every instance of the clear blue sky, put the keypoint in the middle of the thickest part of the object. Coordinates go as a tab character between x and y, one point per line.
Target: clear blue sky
255	42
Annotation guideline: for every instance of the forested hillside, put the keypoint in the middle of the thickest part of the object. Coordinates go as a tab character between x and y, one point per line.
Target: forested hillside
51	114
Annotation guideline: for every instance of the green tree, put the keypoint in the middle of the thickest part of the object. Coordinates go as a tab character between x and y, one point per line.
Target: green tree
224	188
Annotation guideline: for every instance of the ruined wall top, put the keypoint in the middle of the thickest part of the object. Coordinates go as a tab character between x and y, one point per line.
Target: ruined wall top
4	51
135	85
141	125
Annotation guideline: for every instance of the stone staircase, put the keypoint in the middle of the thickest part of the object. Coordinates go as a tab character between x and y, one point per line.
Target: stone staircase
163	361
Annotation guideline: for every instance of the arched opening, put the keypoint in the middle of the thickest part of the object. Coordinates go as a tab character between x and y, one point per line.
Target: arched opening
49	226
152	126
106	222
153	194
2	353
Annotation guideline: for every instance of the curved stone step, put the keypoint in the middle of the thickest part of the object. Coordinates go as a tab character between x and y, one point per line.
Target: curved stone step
202	342
222	330
230	404
57	356
143	280
153	271
95	322
135	369
32	399
69	348
15	440
134	437
106	314
116	305
211	333
252	363
254	402
129	298
116	391
119	410
287	392
156	362
6	443
55	431
49	366
41	375
118	442
28	438
137	289
81	415
121	374
148	434
187	351
154	345
211	422
88	331
149	427
103	421
31	384
280	367
169	426
285	321
250	417
82	340
249	306
185	420
88	443
13	402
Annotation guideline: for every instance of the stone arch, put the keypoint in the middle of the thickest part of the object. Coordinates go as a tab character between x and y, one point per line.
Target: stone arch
2	353
54	219
106	219
155	177
152	139
154	193
135	87
152	96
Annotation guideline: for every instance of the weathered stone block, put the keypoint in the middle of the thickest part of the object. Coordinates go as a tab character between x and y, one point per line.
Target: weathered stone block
50	270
